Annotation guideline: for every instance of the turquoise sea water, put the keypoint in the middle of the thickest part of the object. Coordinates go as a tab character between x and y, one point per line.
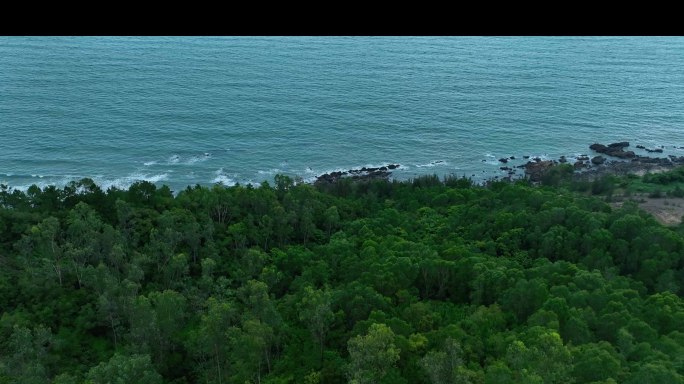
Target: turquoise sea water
188	110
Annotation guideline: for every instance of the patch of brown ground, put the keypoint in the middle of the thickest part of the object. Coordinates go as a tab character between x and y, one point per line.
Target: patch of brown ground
667	210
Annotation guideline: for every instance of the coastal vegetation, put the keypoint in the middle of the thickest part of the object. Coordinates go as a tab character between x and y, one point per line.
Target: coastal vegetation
432	280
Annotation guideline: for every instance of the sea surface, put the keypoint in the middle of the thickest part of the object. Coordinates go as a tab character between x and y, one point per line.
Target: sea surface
202	110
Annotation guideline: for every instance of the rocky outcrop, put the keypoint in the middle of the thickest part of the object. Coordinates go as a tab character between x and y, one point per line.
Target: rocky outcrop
614	149
365	173
598	160
536	169
622	144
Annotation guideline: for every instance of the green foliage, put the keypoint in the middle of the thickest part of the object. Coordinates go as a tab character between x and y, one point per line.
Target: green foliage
674	176
427	281
122	369
373	355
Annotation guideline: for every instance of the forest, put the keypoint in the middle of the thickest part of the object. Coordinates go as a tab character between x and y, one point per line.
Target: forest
432	280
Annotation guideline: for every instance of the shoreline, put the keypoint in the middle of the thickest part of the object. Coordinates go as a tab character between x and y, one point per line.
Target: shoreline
607	160
601	160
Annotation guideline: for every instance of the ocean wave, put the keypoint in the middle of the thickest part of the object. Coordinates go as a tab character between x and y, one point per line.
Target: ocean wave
272	171
433	163
148	163
178	159
198	158
224	180
126	181
174	159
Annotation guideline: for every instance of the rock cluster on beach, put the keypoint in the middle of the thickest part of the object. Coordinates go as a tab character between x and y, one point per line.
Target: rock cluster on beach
365	173
636	163
536	169
609	159
588	167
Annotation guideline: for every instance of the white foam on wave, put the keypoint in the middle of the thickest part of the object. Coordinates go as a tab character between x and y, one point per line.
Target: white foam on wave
198	158
126	181
148	163
104	183
224	180
433	163
272	171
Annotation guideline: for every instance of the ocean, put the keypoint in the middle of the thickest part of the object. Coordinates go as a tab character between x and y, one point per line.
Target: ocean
203	110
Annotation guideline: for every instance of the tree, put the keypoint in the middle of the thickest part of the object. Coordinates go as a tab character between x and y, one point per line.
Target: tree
209	343
315	312
28	355
372	355
595	362
121	369
443	366
41	246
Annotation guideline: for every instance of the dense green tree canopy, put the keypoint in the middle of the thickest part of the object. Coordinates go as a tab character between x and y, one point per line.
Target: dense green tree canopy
425	281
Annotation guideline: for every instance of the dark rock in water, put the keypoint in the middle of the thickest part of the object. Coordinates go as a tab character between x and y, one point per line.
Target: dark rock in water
383	168
622	154
526	157
505	168
483	160
582	157
393	166
658	150
640	146
503	160
614	150
598	160
621	144
512	157
563	159
537	159
600	148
